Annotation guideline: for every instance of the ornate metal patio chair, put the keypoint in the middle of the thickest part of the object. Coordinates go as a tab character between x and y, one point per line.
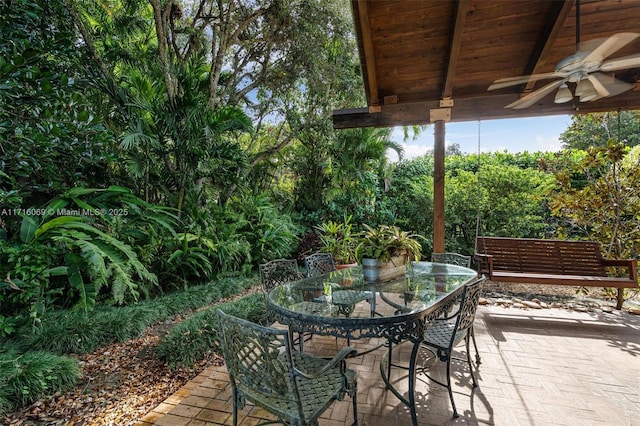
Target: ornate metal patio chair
295	387
443	334
452	259
278	271
281	271
319	263
459	260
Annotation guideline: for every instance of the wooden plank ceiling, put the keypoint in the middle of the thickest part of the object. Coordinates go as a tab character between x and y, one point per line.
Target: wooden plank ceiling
422	55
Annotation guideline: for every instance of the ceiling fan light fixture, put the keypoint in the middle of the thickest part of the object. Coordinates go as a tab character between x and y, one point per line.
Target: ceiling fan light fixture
563	95
585	90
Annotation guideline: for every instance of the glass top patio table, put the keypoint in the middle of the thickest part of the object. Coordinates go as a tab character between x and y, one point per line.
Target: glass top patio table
343	304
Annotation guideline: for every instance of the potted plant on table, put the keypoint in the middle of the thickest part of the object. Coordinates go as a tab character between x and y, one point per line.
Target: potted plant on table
338	239
384	251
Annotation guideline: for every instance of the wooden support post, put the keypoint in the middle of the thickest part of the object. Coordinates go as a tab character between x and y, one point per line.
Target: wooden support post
438	187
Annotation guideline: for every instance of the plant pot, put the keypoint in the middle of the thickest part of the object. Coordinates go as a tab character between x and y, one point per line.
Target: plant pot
375	271
345	265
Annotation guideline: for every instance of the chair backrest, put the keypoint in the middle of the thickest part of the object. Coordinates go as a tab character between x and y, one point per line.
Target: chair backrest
259	359
277	272
319	263
451	259
468	307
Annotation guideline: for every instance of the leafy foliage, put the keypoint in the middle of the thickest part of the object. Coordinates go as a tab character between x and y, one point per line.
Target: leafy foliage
79	235
384	242
46	110
512	200
410	197
338	239
607	208
604	205
65	332
271	234
33	364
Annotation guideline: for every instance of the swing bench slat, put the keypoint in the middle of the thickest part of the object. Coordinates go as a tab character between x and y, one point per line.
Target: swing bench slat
557	262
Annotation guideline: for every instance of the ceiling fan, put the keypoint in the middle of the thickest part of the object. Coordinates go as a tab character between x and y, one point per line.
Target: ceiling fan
586	68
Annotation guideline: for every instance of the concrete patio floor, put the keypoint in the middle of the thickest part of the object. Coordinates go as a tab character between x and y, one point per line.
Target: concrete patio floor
539	367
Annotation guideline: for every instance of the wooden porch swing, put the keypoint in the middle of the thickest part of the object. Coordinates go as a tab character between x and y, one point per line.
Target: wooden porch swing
556	262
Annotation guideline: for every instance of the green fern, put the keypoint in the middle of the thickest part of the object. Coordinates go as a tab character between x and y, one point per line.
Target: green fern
122	284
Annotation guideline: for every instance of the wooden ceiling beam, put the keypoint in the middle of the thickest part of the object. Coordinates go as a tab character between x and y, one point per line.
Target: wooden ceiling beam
454	47
488	107
556	20
367	45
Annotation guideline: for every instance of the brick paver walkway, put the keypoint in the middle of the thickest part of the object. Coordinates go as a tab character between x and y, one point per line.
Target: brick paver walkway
539	367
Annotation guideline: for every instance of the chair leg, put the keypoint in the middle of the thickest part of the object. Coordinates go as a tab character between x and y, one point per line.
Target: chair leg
354	398
453	404
390	360
235	408
412	382
466	341
475	345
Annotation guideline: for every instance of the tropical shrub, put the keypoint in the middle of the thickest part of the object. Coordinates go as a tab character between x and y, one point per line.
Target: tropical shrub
51	137
603	203
410	197
505	191
32	363
511	200
271	233
77	248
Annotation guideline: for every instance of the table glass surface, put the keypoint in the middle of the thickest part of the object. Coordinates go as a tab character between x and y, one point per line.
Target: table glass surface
344	295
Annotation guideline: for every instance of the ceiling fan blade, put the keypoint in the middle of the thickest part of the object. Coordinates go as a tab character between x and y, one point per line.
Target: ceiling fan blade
514	81
607	47
600	88
631	61
533	97
612	85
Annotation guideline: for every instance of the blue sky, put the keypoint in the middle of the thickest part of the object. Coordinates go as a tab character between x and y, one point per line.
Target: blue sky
513	135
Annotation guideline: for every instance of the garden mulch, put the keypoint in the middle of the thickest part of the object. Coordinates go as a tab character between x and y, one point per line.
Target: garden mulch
120	383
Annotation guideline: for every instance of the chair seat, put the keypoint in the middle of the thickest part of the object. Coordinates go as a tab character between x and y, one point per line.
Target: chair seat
439	332
460	260
316	394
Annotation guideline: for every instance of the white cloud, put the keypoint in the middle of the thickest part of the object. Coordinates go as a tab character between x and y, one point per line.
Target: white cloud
414	150
548	143
413	147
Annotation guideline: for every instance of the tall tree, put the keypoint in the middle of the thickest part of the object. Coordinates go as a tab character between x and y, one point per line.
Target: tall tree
598	129
605	205
281	62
